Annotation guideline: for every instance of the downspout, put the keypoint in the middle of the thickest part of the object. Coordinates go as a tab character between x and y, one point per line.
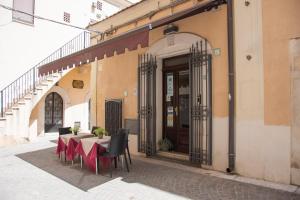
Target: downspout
231	94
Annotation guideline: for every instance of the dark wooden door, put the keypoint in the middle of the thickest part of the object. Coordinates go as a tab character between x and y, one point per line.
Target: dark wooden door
176	106
53	112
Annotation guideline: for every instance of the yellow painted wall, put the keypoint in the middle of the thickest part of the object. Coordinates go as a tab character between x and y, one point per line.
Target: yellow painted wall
280	24
77	96
74	99
213	27
117	75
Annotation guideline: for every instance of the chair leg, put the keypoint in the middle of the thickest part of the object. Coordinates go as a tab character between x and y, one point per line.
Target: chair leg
128	154
110	168
115	160
125	157
65	156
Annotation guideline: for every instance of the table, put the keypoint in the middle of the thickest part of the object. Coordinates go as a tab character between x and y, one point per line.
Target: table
89	150
69	142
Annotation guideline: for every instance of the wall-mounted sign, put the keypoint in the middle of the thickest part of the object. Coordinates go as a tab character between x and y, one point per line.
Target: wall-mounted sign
77	84
216	51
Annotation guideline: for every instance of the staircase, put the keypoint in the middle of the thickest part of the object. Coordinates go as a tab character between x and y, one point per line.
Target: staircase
18	99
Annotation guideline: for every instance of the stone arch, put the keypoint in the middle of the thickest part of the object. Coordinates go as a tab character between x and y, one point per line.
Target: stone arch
41	107
175	44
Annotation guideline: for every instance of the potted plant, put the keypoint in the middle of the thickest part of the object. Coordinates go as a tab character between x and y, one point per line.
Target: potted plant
165	144
74	130
100	132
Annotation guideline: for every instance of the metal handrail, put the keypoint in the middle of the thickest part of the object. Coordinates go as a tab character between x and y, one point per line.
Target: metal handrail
28	81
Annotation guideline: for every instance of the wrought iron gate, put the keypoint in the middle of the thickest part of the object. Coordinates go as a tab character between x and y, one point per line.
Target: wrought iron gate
113	116
53	112
147	104
200	135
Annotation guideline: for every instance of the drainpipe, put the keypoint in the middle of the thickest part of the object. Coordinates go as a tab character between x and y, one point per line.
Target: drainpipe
231	95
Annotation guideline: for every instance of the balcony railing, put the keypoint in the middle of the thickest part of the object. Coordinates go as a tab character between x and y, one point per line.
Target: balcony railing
28	82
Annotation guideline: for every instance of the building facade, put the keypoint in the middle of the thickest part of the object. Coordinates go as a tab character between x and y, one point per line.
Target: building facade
23	34
217	78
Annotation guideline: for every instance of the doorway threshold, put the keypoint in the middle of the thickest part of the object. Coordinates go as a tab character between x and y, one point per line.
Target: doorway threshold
173	155
176	157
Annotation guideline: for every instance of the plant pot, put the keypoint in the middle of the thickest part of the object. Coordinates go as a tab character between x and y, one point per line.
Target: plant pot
164	147
75	133
100	136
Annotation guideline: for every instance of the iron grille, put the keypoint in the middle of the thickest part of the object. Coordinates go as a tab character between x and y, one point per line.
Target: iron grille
113	116
147	104
200	147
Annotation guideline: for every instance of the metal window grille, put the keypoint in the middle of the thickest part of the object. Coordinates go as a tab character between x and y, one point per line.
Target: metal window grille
99	5
67	17
113	116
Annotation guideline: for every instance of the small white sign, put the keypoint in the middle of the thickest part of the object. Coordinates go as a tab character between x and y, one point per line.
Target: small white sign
216	51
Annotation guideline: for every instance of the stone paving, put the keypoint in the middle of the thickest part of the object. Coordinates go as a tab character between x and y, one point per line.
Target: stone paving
148	179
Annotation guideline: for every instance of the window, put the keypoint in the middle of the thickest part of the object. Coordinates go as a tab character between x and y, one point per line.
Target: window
67	17
27	7
99	5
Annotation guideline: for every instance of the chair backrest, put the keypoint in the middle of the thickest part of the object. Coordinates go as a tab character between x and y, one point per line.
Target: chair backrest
94	128
117	142
125	131
64	130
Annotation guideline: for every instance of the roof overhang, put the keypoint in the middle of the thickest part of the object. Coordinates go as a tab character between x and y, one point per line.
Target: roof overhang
129	40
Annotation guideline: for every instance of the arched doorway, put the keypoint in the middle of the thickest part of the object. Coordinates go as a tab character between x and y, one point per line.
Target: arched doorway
53	112
180	66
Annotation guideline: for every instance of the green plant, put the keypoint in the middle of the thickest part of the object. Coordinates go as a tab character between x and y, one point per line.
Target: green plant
74	130
165	144
100	132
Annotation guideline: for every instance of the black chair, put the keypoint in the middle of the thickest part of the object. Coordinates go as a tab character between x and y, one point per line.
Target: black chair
116	148
64	130
94	128
126	132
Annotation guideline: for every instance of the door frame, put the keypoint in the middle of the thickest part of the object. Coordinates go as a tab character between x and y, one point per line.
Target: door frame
165	70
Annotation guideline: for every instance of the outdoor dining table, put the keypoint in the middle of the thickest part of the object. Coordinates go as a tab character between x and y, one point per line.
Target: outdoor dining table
90	149
69	142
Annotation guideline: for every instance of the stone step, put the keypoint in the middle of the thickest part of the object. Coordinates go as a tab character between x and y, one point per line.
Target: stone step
43	84
28	98
8	113
21	102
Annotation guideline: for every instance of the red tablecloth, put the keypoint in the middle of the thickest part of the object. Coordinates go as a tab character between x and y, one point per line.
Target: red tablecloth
90	159
69	149
60	146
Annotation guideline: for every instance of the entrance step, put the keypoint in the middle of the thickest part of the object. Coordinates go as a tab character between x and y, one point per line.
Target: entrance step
173	155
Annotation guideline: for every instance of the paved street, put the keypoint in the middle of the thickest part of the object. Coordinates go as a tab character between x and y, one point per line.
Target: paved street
32	171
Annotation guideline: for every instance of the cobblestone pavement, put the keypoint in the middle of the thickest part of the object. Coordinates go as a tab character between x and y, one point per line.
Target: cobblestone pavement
150	173
197	186
148	180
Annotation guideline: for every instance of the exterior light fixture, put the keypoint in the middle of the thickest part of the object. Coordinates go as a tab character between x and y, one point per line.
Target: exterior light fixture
171	28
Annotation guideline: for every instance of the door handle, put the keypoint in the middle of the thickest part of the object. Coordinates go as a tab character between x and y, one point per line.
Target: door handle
176	110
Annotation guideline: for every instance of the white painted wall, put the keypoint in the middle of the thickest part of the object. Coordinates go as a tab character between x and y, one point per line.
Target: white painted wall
262	151
23	46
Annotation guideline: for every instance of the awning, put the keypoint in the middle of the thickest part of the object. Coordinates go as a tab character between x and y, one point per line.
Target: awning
129	40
